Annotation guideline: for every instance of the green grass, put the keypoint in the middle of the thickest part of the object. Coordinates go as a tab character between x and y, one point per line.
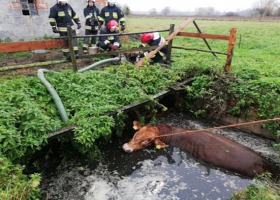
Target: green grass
256	47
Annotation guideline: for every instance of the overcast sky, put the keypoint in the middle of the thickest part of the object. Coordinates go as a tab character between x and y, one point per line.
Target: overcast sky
188	5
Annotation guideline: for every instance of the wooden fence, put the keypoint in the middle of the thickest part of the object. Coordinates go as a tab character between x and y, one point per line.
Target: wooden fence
63	42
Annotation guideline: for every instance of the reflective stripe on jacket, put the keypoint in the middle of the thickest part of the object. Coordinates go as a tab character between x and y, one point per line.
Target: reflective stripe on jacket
61	16
91	12
112	13
109	39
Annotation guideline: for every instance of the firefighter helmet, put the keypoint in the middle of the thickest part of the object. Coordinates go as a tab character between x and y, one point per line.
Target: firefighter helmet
62	1
111	2
112	24
91	0
147	37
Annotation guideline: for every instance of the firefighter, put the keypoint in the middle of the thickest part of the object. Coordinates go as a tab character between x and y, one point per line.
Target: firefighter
61	15
112	12
109	43
154	39
91	13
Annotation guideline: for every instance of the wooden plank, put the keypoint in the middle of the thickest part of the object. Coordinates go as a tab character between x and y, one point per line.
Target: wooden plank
203	35
38	64
116	53
170	37
9	47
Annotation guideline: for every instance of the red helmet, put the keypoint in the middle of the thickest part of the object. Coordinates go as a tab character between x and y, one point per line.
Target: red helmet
147	37
112	24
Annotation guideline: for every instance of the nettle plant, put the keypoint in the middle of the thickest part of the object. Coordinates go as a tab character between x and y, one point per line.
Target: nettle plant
15	184
211	96
28	113
262	94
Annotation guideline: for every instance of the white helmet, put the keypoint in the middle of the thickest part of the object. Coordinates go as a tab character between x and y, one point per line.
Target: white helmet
112	2
62	1
91	0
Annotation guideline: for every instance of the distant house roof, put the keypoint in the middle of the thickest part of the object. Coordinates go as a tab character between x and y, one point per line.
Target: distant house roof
101	2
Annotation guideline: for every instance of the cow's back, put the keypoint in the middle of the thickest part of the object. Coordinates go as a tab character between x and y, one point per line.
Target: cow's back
220	151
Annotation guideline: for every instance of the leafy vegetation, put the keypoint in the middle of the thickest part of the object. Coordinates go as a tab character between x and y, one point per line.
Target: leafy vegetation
16	185
6	40
262	188
28	113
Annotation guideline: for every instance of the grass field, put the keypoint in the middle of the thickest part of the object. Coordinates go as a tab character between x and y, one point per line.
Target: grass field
257	45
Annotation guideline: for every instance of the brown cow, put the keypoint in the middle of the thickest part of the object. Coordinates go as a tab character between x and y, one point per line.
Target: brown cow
212	148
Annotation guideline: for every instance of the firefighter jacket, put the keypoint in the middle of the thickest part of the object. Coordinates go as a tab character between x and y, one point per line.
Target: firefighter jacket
61	16
91	14
156	41
109	39
111	13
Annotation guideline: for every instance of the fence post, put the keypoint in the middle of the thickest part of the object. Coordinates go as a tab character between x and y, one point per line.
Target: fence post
169	47
71	49
231	42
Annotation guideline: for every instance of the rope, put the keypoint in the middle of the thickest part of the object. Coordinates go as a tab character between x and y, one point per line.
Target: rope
220	127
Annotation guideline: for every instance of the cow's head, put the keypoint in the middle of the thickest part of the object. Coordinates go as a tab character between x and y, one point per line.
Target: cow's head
145	136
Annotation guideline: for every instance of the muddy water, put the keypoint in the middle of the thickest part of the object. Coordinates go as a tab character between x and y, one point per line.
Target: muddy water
150	174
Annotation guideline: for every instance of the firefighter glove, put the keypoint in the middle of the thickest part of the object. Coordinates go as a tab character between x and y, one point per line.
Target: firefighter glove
79	26
122	28
55	30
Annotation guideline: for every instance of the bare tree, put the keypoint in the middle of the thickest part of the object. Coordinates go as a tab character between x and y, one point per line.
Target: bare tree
153	11
126	10
166	11
277	12
209	11
265	8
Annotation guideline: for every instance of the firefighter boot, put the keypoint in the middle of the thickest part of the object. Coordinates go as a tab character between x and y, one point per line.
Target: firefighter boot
67	56
77	53
85	50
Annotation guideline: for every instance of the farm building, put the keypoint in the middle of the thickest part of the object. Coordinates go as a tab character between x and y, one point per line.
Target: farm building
28	19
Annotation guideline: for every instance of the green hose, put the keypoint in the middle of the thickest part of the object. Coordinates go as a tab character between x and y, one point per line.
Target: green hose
99	63
54	94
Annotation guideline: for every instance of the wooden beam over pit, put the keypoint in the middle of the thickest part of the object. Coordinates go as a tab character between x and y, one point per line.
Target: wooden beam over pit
170	37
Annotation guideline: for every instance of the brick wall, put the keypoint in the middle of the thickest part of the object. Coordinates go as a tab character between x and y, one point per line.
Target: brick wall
43	4
15	24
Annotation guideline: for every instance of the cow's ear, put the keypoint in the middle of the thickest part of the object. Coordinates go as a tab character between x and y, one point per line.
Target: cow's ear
136	125
159	144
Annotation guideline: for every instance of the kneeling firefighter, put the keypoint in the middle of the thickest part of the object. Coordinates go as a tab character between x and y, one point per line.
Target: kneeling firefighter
154	39
109	43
